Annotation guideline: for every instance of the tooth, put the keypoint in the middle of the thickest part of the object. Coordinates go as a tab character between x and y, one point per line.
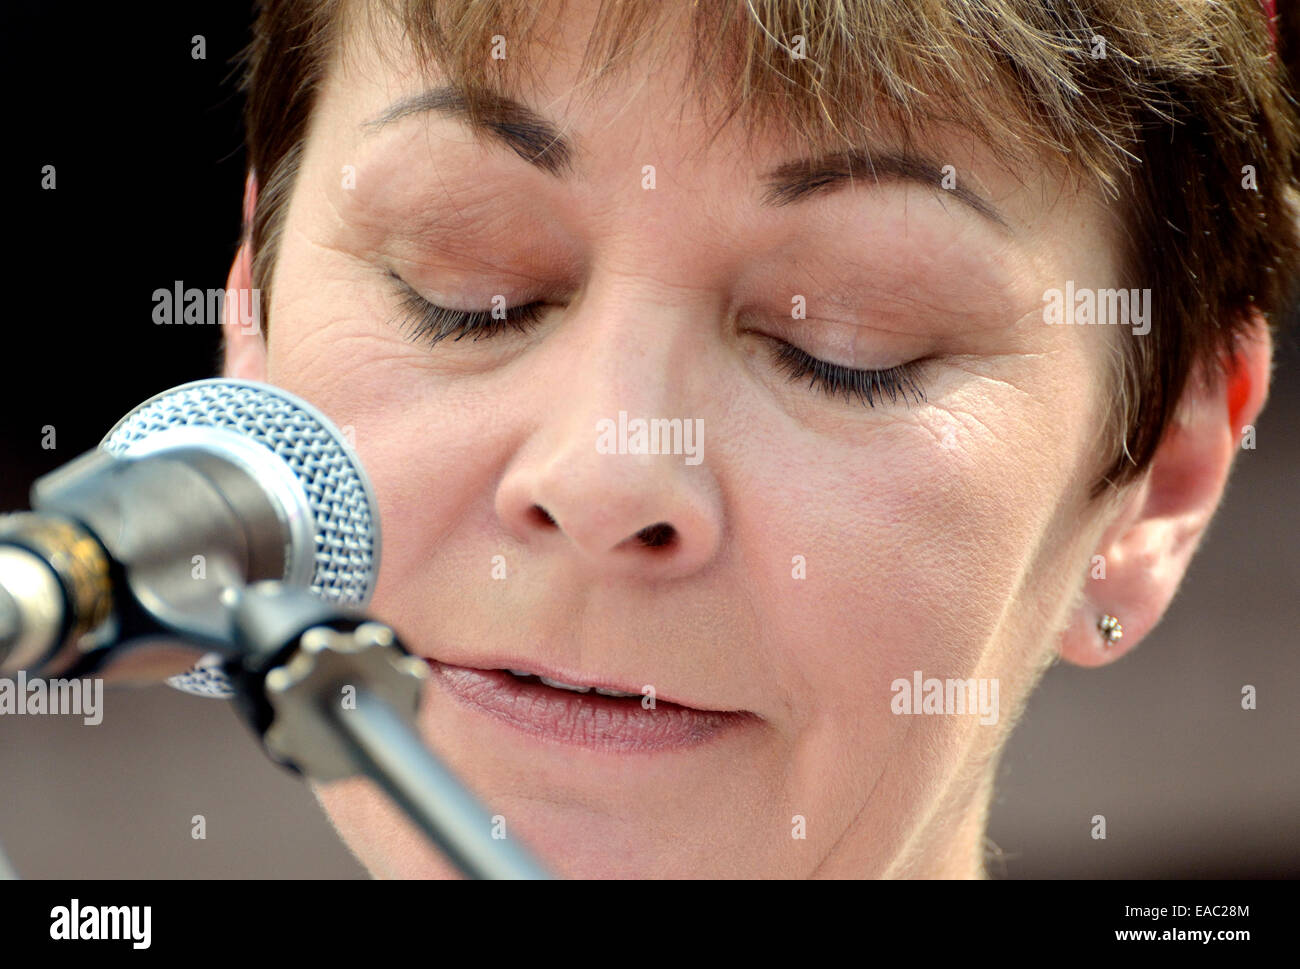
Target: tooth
604	692
519	672
565	686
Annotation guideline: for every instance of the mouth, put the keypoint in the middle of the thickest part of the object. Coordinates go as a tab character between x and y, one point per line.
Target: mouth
576	712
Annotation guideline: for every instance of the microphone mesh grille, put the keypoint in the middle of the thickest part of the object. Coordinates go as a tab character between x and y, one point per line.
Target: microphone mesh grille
338	491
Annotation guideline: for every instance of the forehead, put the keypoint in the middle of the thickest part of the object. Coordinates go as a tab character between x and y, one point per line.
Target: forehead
659	101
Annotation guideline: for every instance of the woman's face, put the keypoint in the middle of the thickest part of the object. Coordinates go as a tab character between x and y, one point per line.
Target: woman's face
820	549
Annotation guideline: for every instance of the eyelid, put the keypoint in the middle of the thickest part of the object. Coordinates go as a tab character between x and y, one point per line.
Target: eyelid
856	345
867	386
409	291
428	323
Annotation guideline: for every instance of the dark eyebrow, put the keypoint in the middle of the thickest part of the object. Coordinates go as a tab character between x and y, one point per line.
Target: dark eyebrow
540	143
797	180
517	126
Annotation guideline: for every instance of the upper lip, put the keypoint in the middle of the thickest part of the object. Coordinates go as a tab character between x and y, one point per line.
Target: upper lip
575	678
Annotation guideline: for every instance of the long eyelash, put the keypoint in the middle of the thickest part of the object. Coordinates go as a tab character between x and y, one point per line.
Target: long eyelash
423	322
867	386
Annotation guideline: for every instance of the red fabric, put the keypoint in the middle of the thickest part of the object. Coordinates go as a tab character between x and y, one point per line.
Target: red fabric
1270	11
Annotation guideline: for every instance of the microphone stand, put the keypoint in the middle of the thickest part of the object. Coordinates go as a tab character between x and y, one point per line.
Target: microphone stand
330	693
334	695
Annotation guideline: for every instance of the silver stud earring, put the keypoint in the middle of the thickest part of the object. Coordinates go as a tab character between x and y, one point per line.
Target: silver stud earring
1110	628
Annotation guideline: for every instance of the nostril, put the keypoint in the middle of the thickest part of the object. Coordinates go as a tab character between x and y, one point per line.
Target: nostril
541	516
657	535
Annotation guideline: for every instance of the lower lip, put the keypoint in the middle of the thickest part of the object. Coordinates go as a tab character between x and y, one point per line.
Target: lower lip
582	719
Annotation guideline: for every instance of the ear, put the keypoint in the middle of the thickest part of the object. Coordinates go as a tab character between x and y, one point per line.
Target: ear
245	346
1148	545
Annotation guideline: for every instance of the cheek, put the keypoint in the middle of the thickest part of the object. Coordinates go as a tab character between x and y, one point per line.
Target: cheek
428	453
901	554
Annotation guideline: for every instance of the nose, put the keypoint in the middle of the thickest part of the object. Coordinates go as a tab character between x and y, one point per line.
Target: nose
614	470
651	516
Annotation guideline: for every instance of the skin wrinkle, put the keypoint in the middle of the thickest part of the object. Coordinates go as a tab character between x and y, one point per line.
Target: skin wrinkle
979	769
447	250
866	803
1009	384
983	426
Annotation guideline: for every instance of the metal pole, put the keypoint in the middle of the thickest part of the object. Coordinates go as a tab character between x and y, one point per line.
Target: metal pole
393	756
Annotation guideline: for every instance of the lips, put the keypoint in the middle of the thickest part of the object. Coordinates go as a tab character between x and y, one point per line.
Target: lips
581	713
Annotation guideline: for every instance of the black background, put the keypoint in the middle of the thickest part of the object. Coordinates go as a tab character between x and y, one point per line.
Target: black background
147	144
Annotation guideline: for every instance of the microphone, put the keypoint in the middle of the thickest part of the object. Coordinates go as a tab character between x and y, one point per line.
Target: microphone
233	515
204	488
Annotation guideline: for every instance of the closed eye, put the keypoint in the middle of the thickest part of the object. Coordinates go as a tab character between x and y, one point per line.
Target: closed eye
835	380
428	324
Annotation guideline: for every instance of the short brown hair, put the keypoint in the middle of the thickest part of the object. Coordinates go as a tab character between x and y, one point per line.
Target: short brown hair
1183	98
